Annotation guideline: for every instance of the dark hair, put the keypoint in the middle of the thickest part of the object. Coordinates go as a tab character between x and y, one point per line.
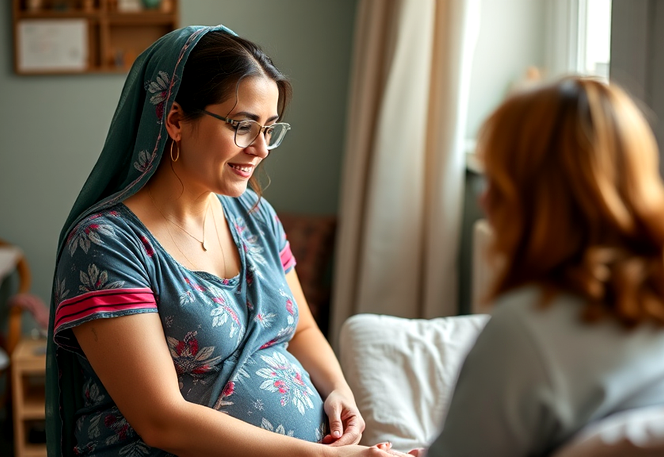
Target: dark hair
214	70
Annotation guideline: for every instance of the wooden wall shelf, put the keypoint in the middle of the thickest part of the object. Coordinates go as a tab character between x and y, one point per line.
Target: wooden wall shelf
28	367
86	36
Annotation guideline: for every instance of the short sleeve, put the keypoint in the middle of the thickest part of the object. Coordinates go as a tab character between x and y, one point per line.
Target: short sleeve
102	272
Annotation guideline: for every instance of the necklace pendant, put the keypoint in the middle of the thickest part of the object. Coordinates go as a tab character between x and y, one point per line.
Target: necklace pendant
203	245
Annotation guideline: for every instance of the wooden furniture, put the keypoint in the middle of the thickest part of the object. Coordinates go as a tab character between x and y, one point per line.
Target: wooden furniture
25	281
28	364
312	238
86	36
9	340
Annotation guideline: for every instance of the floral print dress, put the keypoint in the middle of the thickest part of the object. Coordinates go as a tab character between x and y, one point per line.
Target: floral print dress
228	337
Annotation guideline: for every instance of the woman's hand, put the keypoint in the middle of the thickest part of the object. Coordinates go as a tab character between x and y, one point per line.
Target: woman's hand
362	451
387	447
346	423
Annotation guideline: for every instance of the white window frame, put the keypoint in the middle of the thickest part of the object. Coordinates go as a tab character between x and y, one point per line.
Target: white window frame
563	38
566	41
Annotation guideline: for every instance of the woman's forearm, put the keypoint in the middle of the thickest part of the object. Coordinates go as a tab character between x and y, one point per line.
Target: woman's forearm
195	430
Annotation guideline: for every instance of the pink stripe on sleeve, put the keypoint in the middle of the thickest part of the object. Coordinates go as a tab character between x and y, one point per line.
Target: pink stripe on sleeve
287	258
106	301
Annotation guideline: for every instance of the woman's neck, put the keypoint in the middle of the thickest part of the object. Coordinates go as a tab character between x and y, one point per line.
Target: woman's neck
174	198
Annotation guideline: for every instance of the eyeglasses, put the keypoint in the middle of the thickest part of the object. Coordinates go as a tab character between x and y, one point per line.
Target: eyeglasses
247	131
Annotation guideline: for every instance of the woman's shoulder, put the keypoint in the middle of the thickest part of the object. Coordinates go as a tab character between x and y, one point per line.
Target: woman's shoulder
556	321
116	217
530	309
102	227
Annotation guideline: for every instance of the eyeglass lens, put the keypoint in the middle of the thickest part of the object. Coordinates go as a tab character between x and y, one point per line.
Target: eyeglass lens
247	132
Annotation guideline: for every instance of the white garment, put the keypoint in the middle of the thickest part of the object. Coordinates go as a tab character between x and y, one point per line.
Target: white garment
538	375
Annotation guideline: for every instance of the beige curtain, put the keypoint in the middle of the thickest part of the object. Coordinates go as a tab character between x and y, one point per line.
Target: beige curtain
402	187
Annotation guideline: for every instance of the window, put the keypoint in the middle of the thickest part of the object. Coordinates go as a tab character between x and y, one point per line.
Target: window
580	38
594	46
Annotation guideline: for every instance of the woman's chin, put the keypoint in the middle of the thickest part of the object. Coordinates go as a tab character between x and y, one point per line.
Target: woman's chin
235	190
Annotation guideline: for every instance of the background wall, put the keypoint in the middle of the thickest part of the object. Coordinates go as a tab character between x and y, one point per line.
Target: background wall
513	37
637	57
52	128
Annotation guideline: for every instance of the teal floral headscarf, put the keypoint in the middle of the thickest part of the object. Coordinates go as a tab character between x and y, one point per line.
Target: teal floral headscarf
133	149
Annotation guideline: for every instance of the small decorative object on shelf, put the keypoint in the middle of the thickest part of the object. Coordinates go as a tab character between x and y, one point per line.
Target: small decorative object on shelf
61	5
34	5
151	4
87	36
129	6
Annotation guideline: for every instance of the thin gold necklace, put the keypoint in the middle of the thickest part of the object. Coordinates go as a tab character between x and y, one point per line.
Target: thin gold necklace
223	254
207	210
178	248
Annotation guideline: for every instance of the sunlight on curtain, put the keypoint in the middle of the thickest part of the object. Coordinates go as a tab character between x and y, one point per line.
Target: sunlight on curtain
404	166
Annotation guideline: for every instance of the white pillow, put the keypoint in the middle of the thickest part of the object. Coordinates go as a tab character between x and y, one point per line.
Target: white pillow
402	372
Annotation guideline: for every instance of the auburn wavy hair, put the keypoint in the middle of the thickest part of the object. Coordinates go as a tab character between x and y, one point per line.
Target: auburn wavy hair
575	199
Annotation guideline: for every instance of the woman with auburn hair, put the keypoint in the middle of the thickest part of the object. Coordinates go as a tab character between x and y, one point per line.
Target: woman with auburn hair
576	205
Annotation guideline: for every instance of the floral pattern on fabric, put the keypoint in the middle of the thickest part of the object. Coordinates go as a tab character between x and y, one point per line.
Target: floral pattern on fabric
251	246
92	392
94	279
227	337
88	232
266	425
159	90
60	291
144	160
223	315
225	395
286	380
149	251
190	359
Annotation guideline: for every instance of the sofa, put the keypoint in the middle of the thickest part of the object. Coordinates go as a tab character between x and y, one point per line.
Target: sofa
403	372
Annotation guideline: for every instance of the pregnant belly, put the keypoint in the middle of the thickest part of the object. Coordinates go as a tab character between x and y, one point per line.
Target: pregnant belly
271	390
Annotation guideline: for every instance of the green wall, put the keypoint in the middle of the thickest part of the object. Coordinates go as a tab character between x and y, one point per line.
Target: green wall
52	128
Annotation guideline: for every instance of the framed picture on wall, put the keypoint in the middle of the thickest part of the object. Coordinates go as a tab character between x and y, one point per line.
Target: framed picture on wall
52	45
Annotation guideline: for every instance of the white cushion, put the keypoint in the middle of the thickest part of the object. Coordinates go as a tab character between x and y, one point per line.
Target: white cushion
402	372
638	432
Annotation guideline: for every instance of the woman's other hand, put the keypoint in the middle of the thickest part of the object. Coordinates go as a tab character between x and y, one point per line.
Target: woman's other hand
387	447
346	423
361	451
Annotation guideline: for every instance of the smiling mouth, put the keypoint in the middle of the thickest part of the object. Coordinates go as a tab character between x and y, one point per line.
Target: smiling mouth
241	168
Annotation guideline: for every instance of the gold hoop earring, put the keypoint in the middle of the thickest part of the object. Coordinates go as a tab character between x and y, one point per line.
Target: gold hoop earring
174	159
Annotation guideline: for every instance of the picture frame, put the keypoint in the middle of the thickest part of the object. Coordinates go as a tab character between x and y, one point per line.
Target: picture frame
52	45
